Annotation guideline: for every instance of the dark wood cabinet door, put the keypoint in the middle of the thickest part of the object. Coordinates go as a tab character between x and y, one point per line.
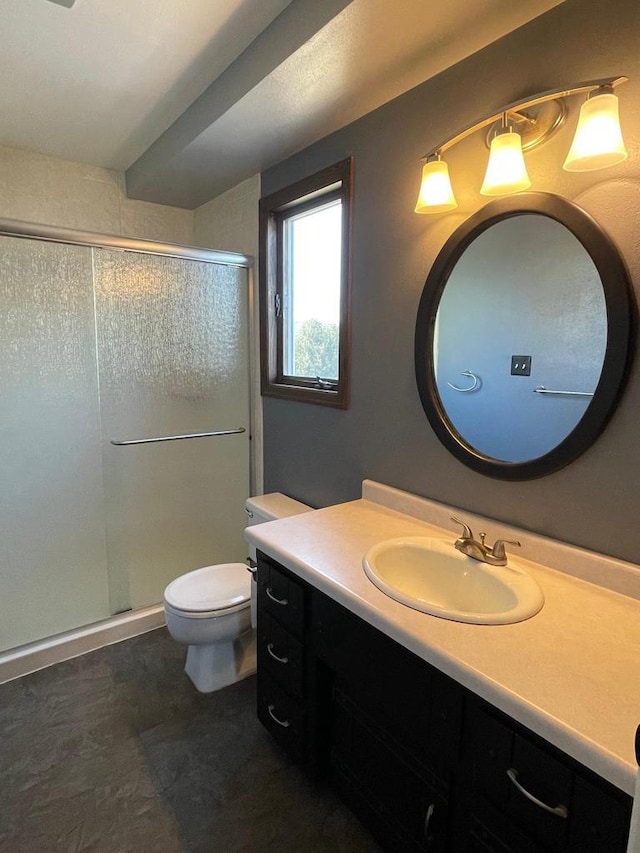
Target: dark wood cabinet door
501	837
409	702
368	771
600	820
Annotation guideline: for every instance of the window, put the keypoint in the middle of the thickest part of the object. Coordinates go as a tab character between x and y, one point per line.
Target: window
304	288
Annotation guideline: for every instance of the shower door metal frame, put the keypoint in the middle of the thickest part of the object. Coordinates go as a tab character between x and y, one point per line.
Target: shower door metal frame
95	240
54	234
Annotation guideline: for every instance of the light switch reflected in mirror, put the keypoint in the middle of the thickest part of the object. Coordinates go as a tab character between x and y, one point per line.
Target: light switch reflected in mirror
523	336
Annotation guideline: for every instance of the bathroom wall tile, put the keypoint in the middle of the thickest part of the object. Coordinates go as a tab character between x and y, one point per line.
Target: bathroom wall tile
38	188
230	221
155	221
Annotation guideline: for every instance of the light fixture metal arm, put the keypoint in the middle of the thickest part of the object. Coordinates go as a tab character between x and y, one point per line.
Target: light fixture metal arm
516	106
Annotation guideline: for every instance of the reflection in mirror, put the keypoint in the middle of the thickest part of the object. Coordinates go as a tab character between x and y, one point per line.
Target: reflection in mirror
523	336
505	297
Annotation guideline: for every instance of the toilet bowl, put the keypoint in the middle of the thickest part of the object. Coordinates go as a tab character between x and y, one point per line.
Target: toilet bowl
209	609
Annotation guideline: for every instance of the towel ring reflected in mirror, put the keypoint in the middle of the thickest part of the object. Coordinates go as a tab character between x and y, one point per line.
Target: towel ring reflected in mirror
531	273
476	383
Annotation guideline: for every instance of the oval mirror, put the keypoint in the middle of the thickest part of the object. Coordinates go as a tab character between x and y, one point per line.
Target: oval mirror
523	336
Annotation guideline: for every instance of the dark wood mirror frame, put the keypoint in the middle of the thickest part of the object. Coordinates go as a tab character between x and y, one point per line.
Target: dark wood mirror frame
621	323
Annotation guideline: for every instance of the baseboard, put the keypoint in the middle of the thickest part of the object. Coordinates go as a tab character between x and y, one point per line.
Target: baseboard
42	653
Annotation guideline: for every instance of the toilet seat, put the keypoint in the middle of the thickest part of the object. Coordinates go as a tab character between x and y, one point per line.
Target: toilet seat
210	591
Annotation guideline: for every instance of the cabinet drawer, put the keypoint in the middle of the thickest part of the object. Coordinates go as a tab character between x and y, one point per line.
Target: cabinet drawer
281	595
488	746
511	770
545	777
283	716
600	819
506	768
280	654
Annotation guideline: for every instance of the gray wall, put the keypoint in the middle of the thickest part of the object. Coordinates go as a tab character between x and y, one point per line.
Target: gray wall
321	455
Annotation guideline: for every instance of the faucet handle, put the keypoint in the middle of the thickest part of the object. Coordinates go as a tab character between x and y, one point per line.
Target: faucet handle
498	547
466	530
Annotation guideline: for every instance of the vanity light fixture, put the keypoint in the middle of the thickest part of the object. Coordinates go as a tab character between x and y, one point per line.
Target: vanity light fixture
598	141
436	193
506	171
524	125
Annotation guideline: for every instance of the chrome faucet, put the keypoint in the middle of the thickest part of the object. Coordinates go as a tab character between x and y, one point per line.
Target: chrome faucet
494	555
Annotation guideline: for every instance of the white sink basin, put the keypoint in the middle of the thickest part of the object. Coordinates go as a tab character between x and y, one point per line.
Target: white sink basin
428	574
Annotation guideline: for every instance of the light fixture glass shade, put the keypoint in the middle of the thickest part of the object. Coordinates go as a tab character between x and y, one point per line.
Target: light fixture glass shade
598	140
436	193
506	171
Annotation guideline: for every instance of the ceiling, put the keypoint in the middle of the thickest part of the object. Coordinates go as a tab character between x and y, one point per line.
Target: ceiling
189	98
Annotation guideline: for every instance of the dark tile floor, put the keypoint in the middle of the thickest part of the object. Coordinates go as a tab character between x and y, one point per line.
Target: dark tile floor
115	751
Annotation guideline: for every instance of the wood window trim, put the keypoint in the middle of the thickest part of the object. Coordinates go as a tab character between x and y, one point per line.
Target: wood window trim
335	181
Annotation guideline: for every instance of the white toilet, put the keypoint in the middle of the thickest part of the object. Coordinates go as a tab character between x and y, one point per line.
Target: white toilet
209	609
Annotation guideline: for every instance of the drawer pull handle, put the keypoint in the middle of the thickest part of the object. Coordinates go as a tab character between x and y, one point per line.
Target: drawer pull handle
284	723
560	811
282	601
427	821
274	655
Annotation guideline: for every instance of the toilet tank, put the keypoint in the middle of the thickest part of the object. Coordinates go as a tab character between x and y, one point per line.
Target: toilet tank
269	507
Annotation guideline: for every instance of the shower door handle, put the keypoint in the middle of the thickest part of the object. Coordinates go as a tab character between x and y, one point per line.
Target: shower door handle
119	443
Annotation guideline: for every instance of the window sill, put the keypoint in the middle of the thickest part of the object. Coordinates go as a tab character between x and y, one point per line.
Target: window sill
336	398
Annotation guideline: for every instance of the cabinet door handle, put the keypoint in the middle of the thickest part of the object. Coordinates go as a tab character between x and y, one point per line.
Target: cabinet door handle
284	723
275	656
282	601
560	811
427	821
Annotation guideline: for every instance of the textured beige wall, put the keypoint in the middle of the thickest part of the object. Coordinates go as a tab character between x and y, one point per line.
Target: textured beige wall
38	188
230	221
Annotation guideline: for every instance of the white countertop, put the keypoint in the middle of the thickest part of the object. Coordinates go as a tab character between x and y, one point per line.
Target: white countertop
571	673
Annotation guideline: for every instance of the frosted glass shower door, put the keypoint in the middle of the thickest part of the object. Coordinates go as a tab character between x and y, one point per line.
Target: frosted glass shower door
53	562
172	359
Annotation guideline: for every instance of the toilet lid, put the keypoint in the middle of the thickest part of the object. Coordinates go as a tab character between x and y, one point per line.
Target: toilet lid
211	588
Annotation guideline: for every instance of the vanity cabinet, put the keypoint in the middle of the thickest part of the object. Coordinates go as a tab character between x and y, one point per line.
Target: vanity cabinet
394	730
517	793
282	688
425	764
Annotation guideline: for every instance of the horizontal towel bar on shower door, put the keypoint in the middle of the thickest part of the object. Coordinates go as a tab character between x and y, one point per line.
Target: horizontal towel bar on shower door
177	437
543	390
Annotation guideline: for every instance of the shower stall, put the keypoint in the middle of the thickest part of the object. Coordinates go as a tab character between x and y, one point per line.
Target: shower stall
124	423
